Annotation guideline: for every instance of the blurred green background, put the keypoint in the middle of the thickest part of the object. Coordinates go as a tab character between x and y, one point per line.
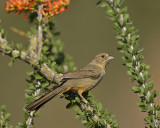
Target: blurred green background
85	30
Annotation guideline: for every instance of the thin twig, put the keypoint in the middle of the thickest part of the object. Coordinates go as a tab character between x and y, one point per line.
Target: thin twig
36	93
40	31
3	121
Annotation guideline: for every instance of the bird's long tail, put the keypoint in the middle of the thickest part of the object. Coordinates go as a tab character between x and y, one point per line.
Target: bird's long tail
44	99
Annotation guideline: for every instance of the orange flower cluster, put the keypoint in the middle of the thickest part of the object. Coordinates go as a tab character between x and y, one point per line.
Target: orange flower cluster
54	7
20	5
49	9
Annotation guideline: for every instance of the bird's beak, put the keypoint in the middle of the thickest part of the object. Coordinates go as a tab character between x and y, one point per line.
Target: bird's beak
111	57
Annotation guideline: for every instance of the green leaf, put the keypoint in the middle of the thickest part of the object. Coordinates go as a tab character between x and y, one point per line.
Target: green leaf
150	85
116	125
29	73
38	77
99	113
7	116
28	98
77	99
126	18
99	3
151	111
143	109
79	111
157	107
120	38
155	94
120	43
37	113
2	33
116	3
43	58
45	48
69	105
20	124
19	47
141	104
26	115
147	67
102	122
84	121
110	12
31	86
129	73
28	90
10	64
53	64
136	89
124	10
62	95
150	123
3	108
45	84
110	120
129	65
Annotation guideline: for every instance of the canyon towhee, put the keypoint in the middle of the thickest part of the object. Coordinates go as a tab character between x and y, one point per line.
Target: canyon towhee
79	81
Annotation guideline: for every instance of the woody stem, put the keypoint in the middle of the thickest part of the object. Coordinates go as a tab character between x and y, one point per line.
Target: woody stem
40	31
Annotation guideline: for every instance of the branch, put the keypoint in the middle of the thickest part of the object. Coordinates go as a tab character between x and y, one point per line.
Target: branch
133	60
40	32
29	57
92	113
29	121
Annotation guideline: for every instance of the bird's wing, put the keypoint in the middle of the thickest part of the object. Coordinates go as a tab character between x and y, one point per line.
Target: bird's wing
89	71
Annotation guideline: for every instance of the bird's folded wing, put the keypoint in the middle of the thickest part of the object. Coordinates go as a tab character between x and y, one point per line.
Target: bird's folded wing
84	72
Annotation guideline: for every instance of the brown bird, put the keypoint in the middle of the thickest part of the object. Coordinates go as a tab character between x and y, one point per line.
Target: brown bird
79	81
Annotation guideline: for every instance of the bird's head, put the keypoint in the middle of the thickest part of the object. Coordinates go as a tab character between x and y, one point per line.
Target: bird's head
102	59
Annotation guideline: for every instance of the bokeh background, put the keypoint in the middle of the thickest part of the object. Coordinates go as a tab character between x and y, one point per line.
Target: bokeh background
85	30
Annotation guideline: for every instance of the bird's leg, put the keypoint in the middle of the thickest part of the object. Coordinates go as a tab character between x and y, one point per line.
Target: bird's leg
80	94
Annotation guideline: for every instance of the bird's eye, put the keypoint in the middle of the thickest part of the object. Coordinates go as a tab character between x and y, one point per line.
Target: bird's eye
102	56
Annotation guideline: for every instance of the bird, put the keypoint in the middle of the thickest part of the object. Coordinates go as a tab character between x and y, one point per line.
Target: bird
78	81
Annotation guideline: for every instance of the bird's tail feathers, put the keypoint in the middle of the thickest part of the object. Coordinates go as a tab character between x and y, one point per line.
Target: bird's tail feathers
44	99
